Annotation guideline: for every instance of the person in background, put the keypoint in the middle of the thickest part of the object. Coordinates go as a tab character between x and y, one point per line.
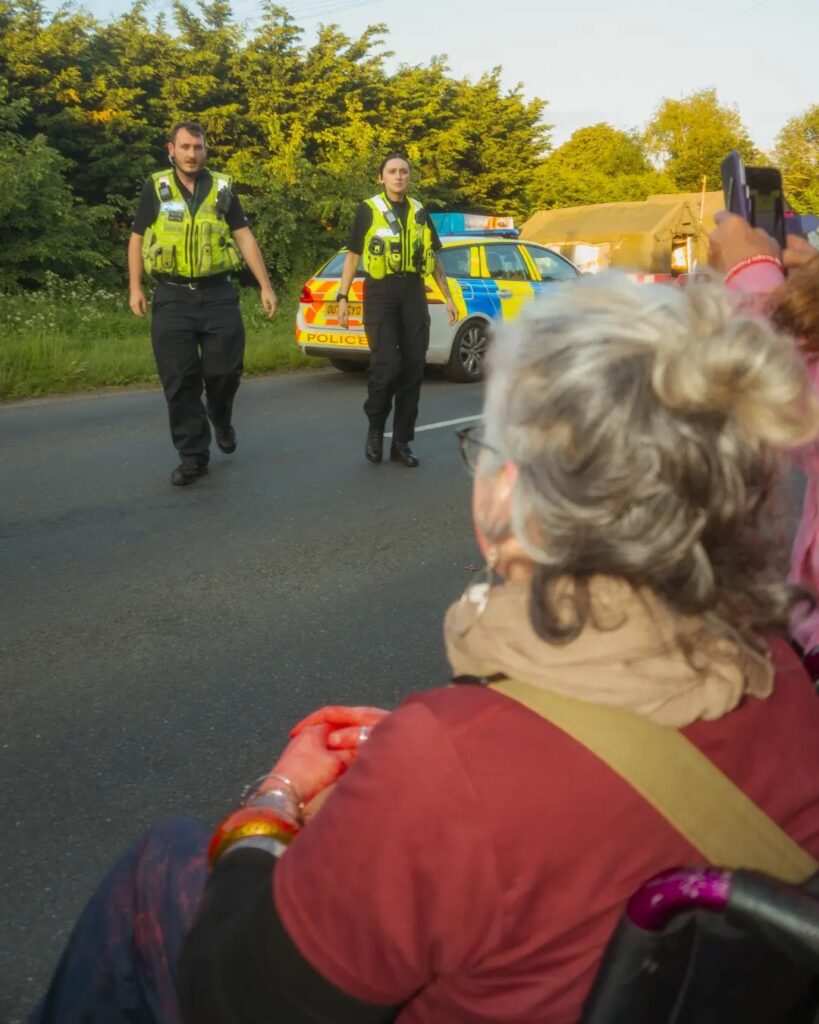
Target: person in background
191	234
397	244
755	268
470	865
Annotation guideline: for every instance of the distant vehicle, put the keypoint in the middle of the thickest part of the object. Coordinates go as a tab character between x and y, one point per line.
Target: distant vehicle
492	275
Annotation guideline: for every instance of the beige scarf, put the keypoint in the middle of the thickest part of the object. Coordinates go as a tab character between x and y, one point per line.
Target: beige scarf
630	657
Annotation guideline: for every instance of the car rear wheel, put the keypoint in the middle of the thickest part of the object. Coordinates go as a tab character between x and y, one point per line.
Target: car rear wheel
349	365
468	356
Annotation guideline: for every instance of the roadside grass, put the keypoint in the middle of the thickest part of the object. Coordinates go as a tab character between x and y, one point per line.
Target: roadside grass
73	336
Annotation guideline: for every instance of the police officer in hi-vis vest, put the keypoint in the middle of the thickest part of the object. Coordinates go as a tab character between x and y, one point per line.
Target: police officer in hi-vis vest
191	234
398	243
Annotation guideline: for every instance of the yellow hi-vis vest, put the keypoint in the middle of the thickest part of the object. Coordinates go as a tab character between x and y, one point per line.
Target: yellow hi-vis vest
189	244
391	249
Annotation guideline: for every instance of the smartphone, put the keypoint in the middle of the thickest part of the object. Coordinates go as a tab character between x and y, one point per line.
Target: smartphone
734	186
767	201
756	195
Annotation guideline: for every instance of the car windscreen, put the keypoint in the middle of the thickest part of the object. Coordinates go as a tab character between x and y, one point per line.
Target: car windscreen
333	267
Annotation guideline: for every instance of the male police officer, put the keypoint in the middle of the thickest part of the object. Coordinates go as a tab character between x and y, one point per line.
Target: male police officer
191	233
399	246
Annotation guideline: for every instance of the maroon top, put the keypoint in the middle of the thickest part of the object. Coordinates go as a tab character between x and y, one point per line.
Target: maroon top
475	860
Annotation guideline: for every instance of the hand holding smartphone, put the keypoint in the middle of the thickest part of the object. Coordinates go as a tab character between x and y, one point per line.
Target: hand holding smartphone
756	195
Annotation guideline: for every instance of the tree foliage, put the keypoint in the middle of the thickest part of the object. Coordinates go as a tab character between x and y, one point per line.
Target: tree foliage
301	128
598	164
797	154
689	137
43	225
85	107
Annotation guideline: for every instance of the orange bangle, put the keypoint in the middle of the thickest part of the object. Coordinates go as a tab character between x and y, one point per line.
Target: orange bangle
246	822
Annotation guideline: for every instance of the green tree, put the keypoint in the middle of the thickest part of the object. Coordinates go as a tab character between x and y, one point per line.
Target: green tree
81	86
126	114
300	128
203	84
44	227
307	157
496	140
605	149
598	164
797	154
689	138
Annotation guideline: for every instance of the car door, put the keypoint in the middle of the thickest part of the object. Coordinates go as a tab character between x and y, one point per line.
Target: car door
470	293
509	278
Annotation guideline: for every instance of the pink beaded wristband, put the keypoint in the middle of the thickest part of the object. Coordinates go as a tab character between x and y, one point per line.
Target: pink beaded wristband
750	261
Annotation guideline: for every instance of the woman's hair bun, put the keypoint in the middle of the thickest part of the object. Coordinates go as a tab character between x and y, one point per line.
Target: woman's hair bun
645	422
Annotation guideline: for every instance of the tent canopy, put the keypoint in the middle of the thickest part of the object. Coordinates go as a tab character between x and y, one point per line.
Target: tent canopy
704	205
639	235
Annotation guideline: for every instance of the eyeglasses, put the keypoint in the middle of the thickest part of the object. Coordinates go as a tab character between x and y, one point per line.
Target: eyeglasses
471	444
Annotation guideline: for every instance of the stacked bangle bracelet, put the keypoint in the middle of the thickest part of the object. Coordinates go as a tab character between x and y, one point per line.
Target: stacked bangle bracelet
283	786
272	813
247	823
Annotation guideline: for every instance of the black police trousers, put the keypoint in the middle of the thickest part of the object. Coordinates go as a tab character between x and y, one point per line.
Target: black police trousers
396	322
199	342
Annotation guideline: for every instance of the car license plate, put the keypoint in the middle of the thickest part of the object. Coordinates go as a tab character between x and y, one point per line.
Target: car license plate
354	309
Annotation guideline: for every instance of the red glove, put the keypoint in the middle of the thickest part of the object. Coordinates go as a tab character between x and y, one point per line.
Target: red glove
349	727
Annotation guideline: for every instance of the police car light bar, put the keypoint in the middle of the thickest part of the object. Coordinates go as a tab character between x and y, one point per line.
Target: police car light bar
493	232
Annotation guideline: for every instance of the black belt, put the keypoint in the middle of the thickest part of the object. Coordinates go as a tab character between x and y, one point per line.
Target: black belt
194	283
395	273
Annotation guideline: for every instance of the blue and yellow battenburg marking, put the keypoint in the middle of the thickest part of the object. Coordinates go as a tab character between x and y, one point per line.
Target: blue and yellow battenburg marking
480	294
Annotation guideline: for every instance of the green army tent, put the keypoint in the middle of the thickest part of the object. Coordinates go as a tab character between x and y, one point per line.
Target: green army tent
704	205
661	235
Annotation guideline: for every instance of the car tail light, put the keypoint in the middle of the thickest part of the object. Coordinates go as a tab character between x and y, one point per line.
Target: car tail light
307	295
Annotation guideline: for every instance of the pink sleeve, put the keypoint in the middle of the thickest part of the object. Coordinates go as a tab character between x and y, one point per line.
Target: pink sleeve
754	284
756	279
378	891
807	457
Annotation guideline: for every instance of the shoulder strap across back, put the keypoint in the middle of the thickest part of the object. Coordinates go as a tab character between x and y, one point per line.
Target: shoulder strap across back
678	780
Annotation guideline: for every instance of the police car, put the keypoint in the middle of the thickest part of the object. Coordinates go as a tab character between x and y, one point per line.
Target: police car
492	275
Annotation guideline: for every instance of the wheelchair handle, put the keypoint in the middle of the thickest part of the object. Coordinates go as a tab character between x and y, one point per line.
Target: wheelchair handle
674	892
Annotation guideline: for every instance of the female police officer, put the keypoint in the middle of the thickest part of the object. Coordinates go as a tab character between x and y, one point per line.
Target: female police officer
398	243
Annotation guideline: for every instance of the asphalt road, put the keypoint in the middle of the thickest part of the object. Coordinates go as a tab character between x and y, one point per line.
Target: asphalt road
157	642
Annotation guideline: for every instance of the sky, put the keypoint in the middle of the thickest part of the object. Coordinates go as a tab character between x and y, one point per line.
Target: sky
596	60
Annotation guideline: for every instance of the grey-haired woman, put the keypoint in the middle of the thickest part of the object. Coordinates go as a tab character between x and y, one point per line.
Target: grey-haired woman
471	865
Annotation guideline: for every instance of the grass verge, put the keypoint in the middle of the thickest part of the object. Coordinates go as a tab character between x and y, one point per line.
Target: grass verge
72	336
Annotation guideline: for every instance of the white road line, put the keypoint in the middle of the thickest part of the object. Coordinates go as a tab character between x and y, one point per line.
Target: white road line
446	423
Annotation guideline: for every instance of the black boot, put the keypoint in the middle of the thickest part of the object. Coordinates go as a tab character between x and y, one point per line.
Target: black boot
374	448
226	439
188	473
401	452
